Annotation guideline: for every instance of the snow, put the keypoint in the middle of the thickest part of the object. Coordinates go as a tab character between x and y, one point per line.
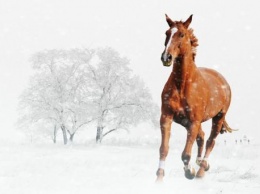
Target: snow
229	42
89	168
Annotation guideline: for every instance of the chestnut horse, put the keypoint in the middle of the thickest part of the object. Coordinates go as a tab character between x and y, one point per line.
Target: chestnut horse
191	96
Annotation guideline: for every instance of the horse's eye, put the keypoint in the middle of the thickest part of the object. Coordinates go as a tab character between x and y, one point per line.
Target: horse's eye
181	35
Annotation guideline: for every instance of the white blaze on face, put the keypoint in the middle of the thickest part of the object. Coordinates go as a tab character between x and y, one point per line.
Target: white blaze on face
173	30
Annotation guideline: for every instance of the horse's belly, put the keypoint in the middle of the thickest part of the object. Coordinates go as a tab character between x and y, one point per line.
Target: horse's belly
219	93
182	120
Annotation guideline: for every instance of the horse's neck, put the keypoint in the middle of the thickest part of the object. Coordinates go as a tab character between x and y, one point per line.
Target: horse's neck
183	69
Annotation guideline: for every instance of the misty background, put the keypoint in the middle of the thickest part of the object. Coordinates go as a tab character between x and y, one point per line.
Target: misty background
228	34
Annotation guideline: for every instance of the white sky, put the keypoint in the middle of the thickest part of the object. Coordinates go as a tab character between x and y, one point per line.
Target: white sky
228	33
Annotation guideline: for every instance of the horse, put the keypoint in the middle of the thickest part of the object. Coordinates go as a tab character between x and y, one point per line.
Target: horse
191	96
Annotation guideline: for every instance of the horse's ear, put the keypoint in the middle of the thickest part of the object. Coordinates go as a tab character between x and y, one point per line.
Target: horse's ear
187	22
169	21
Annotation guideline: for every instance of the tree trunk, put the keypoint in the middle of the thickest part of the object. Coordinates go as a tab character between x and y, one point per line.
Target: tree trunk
55	134
99	135
65	139
72	137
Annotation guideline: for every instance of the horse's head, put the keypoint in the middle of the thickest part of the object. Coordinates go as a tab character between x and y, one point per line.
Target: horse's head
177	42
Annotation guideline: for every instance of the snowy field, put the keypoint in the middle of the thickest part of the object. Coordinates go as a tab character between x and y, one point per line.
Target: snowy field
41	168
228	33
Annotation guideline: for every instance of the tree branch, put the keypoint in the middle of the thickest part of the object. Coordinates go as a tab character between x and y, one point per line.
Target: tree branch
109	132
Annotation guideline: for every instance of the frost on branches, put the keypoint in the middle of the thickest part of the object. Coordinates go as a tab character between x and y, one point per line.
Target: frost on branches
72	88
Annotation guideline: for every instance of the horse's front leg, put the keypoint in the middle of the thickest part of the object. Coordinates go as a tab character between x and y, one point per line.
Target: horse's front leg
200	143
165	123
192	132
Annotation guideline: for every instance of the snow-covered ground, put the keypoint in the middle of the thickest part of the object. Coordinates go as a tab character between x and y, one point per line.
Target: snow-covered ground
88	168
228	34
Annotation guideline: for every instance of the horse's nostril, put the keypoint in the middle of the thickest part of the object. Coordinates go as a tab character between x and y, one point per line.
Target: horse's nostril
162	58
169	57
166	58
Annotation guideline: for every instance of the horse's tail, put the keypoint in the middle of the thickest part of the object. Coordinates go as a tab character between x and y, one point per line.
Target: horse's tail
225	128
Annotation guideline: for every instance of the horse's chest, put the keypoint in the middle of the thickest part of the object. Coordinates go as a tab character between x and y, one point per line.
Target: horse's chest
181	111
179	106
177	102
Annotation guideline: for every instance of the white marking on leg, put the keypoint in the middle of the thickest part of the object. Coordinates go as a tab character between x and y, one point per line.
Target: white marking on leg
198	160
161	164
187	167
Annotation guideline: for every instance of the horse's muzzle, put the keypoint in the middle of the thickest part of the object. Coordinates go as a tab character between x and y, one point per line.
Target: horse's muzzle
166	59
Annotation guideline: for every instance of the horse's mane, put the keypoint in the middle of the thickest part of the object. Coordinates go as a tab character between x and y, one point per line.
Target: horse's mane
194	42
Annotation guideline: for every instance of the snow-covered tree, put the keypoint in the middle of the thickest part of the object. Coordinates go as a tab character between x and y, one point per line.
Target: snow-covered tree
121	98
71	88
58	91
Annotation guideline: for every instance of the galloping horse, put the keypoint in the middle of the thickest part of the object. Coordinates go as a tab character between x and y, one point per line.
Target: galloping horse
191	96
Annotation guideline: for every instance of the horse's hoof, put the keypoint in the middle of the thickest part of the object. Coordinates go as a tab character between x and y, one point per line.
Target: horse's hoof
190	173
204	164
160	172
159	179
200	173
207	168
160	175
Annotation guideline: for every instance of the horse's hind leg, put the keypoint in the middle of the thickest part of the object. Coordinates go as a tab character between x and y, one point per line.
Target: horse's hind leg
200	143
217	123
